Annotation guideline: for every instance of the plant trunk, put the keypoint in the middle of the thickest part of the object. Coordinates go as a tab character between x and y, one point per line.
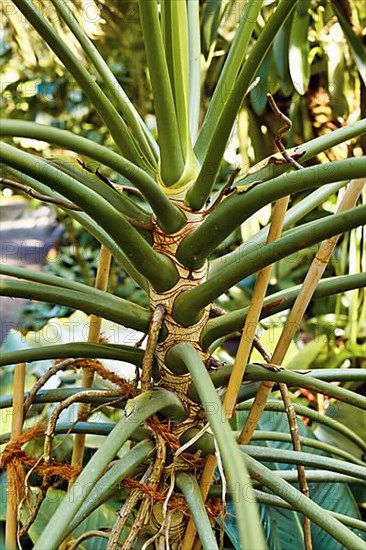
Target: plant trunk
179	383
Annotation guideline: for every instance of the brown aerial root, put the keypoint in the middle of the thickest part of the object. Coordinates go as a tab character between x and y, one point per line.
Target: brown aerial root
164	430
94	365
14	460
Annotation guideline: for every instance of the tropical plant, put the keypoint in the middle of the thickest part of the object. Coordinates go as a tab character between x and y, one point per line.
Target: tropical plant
176	458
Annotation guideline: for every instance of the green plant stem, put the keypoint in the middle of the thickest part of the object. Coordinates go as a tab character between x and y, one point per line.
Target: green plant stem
294	379
319	476
271	500
270	454
136	412
100	428
172	162
219	131
302	504
307	442
115	90
237	208
120	311
61	282
93	228
249	526
194	66
120	201
266	170
157	268
231	322
187	483
229	73
170	217
175	33
301	410
76	349
189	304
304	207
109	114
287	456
108	483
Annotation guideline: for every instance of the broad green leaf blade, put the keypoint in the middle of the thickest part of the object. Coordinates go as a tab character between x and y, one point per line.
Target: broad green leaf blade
357	48
258	97
299	51
355	419
103	517
280	50
336	497
209	24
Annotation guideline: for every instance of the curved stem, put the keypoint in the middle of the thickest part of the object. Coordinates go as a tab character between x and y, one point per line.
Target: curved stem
293	215
55	280
271	500
120	311
75	349
295	379
115	90
238	207
279	301
189	305
249	526
301	410
93	228
109	114
187	483
261	435
170	217
172	162
108	483
137	411
270	454
302	504
223	122
266	170
229	73
157	268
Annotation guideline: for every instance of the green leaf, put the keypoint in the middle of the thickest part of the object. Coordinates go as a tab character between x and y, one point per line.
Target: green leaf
357	48
306	356
336	497
258	96
285	527
104	516
299	50
209	25
355	419
280	50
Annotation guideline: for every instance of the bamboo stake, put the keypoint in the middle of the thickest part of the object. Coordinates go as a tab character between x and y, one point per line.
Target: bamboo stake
101	283
252	319
311	280
16	430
